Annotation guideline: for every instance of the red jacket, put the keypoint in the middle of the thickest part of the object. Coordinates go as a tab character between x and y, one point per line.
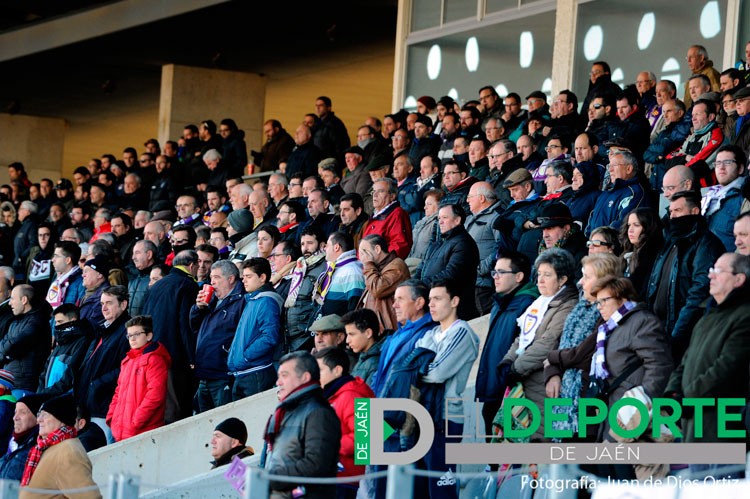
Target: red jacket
394	225
141	395
343	403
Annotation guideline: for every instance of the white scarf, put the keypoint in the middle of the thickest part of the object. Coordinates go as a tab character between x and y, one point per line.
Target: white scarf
530	320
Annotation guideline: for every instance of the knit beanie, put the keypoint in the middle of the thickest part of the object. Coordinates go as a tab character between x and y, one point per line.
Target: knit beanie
63	408
233	428
7	379
241	220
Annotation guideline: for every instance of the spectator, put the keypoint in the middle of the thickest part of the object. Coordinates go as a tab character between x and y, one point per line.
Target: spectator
364	338
71	340
40	270
600	82
456	346
356	179
566	370
330	136
699	63
144	259
514	292
91	436
700	147
305	157
426	229
97	382
408	192
241	235
25	432
207	256
456	183
453	257
484	207
679	281
716	360
636	130
168	303
234	149
353	217
389	219
642	239
541	325
671	137
503	161
227	441
383	271
624	194
7	407
558	174
560	231
635	343
95	273
742	234
425	142
215	323
721	204
251	354
26	237
318	206
289	452
341	389
299	304
140	397
24	349
283	261
67	287
339	288
59	461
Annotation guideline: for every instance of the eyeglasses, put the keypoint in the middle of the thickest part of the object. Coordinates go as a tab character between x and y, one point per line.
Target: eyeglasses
500	273
717	271
179	242
493	156
445	174
134	335
295	184
552	146
603	301
597	243
178	206
492	128
597	106
725	162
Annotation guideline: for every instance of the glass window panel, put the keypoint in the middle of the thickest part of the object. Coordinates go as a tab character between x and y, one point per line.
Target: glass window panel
425	14
456	10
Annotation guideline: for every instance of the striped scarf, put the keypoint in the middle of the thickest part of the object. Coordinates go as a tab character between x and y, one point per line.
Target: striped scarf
298	275
598	364
42	444
323	283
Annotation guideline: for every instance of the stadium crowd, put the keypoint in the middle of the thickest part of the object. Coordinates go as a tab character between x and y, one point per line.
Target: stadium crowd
160	285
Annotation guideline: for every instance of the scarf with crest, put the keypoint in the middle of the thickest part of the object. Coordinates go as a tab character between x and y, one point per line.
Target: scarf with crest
598	364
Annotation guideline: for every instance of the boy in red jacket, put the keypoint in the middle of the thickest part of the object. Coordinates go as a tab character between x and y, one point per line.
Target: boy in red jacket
140	398
340	388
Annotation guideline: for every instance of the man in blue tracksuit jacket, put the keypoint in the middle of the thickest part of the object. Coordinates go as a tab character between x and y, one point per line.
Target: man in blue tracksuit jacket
258	332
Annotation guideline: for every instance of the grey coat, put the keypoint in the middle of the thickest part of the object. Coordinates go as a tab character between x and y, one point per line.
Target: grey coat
480	229
423	233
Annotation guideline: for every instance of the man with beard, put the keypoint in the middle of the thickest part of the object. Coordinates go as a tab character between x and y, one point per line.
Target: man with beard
299	305
451	125
68	284
278	146
288	219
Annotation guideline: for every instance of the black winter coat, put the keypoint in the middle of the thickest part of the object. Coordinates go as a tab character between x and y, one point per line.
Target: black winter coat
454	256
25	348
101	367
25	240
235	153
168	303
697	250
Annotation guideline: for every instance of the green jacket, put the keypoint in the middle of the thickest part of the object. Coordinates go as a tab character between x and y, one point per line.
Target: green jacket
716	362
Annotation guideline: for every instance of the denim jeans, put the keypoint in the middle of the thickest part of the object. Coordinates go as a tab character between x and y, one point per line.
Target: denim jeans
213	393
252	383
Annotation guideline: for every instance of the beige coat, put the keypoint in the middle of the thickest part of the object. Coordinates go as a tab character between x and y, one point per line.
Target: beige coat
381	281
62	467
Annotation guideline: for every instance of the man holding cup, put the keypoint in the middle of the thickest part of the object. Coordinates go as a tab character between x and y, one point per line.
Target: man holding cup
214	316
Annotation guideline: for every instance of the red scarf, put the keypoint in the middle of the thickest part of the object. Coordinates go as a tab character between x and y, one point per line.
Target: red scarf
42	444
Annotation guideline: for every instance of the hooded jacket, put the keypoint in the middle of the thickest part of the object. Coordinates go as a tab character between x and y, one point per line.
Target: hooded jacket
140	399
258	332
64	363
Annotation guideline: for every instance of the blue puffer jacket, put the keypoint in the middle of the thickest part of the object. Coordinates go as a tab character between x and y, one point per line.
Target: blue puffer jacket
667	141
500	336
622	197
258	332
13	463
215	326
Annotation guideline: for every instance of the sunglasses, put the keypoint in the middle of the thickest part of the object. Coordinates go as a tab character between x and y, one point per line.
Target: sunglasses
597	243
